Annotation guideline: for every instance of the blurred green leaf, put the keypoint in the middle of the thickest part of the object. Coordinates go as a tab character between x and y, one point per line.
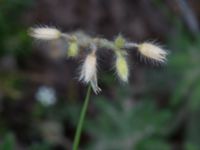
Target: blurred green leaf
122	125
153	144
8	142
40	146
191	146
195	97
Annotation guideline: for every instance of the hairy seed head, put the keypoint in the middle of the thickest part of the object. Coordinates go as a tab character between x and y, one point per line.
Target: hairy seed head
152	51
45	33
89	68
122	68
89	72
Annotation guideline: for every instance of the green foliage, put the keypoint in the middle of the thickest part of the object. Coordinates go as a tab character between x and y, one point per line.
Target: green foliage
40	146
11	85
124	125
8	142
185	96
13	39
192	133
184	65
153	144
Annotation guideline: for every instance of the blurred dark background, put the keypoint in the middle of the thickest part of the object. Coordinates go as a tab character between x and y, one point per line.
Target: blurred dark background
40	96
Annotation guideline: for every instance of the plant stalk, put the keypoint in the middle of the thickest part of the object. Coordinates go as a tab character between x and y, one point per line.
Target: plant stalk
81	119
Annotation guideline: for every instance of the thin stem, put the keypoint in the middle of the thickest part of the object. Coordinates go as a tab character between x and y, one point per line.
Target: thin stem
131	45
81	119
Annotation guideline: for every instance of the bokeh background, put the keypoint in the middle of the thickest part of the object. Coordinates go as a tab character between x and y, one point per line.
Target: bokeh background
40	96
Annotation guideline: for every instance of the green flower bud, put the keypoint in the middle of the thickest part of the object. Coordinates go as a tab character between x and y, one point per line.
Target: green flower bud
119	42
73	49
122	68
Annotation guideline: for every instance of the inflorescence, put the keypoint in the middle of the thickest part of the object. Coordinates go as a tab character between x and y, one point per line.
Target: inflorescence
78	41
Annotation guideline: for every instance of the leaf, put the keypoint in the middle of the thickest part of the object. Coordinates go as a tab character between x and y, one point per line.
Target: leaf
8	142
195	98
40	146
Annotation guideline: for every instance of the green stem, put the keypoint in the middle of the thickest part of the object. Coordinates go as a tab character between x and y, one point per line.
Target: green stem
81	119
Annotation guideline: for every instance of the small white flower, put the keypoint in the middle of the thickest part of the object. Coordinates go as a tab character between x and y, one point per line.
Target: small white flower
152	51
89	72
45	33
46	95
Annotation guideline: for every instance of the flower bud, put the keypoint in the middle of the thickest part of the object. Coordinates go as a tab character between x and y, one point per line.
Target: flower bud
122	68
119	42
45	33
73	49
152	51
